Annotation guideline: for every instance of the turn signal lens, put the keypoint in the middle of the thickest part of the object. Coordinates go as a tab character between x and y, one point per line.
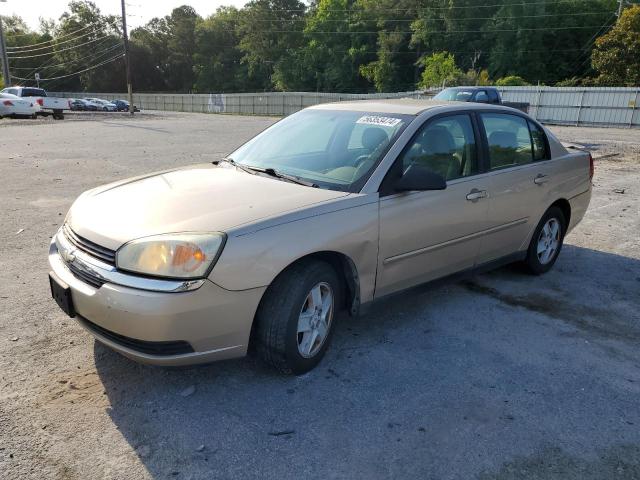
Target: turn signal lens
188	255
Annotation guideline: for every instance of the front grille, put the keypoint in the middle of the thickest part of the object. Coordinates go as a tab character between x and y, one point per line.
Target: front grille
85	276
178	347
87	246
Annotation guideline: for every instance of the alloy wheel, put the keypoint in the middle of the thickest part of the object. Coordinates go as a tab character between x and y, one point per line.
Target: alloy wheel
315	319
548	241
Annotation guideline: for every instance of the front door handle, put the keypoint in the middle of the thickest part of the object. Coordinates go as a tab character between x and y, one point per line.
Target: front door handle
540	179
475	195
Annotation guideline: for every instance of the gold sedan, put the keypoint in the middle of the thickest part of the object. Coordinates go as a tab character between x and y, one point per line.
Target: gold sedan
326	211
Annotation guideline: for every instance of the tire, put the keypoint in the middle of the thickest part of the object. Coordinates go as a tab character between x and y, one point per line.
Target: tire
105	109
290	297
538	262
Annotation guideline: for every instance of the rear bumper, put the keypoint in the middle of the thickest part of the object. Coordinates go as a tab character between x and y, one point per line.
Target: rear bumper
213	322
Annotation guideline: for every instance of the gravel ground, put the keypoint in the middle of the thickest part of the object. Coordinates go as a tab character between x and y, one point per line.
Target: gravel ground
505	376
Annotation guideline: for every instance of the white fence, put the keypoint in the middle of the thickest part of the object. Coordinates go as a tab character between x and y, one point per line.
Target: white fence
595	106
619	107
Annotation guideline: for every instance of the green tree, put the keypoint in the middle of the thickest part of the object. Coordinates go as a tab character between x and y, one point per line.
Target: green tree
270	31
181	47
545	42
511	81
329	61
217	61
439	69
616	56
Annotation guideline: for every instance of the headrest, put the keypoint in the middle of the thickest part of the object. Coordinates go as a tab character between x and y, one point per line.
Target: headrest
437	141
373	137
503	139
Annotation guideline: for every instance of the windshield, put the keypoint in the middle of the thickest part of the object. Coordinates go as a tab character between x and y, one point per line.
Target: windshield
454	95
333	149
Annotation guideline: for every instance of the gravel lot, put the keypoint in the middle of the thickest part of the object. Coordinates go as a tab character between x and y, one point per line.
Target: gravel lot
505	376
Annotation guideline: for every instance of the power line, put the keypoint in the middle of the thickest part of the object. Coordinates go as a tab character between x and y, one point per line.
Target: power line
54	44
120	55
71	62
409	9
444	32
413	19
586	49
65	49
50	61
49	41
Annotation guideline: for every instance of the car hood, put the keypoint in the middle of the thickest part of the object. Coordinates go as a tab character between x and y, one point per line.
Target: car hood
197	199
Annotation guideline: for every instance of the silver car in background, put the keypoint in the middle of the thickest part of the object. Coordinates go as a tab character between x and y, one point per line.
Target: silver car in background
103	105
328	210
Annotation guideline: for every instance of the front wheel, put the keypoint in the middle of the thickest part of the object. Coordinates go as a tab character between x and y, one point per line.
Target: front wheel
546	242
296	317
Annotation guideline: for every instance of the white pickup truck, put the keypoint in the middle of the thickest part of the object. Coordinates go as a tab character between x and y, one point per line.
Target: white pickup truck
49	105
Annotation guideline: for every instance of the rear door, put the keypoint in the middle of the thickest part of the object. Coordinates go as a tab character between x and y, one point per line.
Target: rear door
427	235
519	179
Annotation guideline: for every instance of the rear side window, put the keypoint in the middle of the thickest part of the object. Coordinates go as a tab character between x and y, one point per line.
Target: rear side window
493	96
33	92
508	139
482	96
539	142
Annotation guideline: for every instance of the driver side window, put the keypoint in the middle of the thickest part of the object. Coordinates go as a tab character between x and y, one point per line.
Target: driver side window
446	146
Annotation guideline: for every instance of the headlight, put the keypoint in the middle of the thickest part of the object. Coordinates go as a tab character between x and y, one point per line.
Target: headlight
177	255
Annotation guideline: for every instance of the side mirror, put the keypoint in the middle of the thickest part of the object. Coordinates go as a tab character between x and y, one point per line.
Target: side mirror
420	178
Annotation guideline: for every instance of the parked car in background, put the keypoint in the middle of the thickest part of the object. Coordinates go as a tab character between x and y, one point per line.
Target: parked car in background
123	106
91	105
48	105
16	107
329	209
489	95
102	104
79	104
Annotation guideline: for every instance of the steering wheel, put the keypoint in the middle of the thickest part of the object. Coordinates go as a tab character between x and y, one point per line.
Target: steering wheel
360	159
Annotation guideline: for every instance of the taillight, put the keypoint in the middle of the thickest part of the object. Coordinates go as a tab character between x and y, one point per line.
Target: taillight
591	167
8	103
40	102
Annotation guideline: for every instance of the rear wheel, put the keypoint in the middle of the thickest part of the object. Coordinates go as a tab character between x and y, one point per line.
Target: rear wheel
546	242
296	317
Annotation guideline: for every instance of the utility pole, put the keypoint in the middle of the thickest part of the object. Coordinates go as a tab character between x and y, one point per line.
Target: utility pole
4	59
125	37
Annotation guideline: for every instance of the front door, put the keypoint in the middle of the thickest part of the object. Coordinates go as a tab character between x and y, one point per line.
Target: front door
431	234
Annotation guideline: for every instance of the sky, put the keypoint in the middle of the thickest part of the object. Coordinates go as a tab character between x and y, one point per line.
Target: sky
138	11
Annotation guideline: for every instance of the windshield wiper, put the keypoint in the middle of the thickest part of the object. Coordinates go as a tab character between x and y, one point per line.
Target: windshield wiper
269	171
283	176
231	161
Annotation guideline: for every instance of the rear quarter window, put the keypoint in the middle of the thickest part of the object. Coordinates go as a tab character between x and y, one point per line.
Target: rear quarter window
539	142
33	92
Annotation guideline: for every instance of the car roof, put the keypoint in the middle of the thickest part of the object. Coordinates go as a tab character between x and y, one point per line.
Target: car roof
407	106
475	87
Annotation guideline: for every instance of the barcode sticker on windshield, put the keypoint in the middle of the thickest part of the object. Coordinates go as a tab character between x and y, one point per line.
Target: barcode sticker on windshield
382	121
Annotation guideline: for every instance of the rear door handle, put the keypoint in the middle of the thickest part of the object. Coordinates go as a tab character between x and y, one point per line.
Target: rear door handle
475	195
540	179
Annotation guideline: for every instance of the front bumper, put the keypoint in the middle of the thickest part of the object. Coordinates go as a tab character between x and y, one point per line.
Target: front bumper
215	322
